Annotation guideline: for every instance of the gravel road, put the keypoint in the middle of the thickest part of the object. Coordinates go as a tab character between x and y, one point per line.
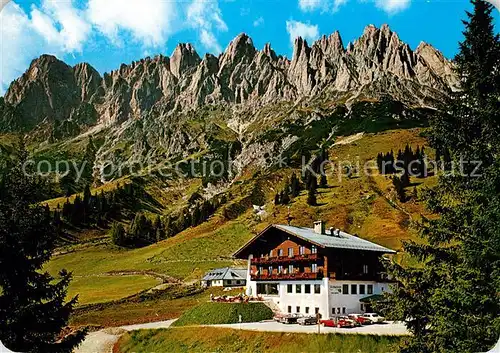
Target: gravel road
103	341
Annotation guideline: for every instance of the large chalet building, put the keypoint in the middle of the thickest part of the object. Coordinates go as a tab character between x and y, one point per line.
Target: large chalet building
309	271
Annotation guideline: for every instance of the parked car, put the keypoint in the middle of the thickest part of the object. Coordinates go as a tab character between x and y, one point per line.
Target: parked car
278	317
307	320
346	321
360	319
340	322
289	319
376	318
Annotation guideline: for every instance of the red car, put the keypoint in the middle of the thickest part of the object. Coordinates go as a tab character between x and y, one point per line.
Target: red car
340	322
360	319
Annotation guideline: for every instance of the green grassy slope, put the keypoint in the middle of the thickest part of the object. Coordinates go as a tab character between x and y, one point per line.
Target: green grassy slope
224	313
208	339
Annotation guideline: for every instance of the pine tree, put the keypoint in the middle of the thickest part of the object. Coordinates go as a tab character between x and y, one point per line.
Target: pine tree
399	187
294	185
33	307
311	197
118	234
277	198
323	181
158	228
285	199
449	298
196	216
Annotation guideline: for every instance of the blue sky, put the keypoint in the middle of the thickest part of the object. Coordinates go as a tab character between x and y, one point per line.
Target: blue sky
106	33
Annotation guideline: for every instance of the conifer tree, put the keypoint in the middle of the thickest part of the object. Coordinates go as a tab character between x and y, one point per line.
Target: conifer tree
311	197
449	298
294	185
33	307
323	183
118	234
277	198
285	199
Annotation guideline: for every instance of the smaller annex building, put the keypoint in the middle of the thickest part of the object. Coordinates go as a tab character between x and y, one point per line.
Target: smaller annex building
314	270
225	277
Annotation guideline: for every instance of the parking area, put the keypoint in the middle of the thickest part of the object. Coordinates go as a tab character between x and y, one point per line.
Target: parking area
386	329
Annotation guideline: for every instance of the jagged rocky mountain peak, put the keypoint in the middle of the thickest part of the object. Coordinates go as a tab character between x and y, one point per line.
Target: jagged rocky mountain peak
377	64
183	58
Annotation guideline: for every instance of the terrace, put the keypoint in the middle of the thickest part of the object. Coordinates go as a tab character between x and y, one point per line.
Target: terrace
287	276
285	259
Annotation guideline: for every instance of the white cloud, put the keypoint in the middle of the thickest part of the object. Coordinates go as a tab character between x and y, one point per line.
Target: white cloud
53	28
17	43
204	16
209	41
389	6
392	6
74	28
148	21
310	5
258	22
298	29
337	4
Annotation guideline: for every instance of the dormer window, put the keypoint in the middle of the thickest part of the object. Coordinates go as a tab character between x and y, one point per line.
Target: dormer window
280	252
314	250
302	250
290	252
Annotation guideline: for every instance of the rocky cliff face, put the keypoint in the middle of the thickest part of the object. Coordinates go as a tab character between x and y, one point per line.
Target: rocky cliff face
377	64
252	104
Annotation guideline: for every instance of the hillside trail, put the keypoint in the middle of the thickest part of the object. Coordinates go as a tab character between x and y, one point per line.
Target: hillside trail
104	340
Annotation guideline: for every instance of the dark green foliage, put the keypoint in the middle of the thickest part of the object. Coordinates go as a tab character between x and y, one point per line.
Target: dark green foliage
311	197
295	186
407	161
323	183
291	190
450	297
399	188
118	235
141	231
158	228
277	199
223	313
33	311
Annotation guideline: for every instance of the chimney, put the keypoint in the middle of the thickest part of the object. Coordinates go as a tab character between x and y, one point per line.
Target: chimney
334	232
319	227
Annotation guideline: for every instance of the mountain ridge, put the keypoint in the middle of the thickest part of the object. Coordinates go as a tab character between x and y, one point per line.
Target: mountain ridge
51	89
252	104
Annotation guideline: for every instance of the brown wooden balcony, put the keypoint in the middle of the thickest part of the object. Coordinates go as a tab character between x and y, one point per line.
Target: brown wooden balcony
290	276
285	259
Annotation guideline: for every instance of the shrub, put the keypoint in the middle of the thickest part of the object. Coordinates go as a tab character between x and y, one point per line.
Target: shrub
224	313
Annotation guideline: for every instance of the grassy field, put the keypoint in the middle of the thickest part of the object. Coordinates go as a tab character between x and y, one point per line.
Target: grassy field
142	311
207	339
186	256
224	313
93	289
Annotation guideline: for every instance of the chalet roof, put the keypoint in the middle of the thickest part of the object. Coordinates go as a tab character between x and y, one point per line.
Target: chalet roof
226	273
341	241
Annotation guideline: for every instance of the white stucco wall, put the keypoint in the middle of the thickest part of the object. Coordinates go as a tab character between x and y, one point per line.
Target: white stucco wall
328	299
351	301
302	300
